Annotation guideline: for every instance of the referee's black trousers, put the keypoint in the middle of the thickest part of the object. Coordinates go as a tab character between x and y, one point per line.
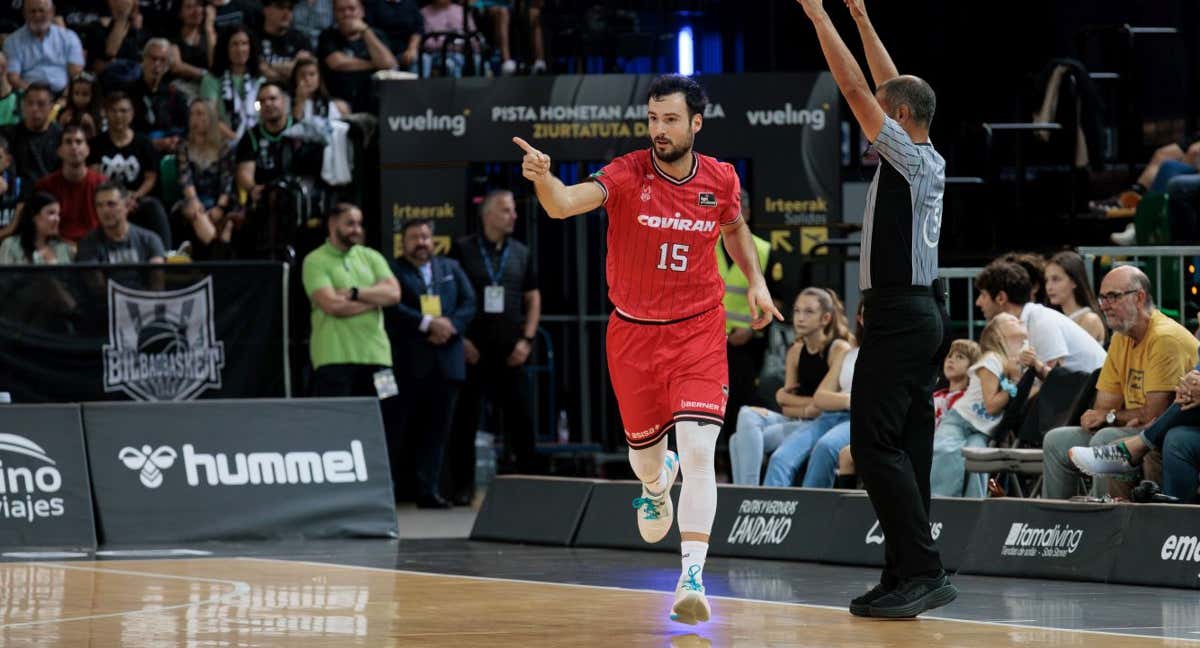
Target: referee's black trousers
891	423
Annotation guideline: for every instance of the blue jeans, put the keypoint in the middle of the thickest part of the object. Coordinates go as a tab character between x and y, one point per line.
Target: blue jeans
949	475
823	463
785	462
757	435
1183	206
1166	172
1181	463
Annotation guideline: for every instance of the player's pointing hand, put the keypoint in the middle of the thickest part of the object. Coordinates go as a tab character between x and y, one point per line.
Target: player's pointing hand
762	307
535	166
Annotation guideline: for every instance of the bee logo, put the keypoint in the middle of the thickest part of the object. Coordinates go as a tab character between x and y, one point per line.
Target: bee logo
149	462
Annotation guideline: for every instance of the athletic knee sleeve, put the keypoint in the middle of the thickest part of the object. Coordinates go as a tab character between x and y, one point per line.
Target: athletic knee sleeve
698	500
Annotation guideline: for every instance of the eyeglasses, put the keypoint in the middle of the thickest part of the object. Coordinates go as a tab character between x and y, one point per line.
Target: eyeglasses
1108	298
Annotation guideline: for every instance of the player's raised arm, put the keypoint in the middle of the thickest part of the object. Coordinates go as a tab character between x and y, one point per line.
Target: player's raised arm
878	59
846	72
559	200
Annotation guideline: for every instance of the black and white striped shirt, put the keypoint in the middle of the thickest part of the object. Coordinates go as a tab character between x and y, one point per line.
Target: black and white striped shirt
903	219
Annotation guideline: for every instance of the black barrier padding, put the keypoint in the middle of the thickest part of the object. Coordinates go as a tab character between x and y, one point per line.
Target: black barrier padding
1161	547
45	492
539	510
224	470
610	520
854	534
1044	539
786	523
953	524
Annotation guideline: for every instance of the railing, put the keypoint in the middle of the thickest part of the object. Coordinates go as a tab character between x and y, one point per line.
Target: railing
969	274
1155	252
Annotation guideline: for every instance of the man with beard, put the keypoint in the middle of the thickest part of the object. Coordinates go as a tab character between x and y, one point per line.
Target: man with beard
349	284
273	170
1148	357
427	349
666	338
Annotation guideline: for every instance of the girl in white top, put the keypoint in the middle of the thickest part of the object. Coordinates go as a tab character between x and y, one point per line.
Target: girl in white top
992	383
1067	287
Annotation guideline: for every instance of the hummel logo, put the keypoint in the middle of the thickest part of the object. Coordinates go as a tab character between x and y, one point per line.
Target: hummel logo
151	463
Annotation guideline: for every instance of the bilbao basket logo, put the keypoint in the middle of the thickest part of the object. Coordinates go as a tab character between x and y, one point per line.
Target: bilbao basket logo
29	481
162	346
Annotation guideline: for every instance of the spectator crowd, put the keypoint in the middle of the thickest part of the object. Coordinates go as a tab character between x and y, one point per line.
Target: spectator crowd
209	115
1120	376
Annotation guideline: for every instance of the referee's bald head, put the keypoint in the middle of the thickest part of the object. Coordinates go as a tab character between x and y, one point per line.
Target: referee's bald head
912	92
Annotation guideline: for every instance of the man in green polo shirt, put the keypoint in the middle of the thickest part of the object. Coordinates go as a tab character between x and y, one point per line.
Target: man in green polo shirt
348	285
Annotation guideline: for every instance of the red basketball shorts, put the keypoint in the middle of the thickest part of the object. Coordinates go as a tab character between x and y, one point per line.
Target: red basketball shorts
663	373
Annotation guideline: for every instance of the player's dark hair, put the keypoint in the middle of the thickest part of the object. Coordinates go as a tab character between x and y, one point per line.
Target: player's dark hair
913	92
414	222
669	84
1007	277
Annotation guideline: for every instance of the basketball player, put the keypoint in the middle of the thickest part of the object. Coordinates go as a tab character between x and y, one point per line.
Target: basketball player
892	440
667	205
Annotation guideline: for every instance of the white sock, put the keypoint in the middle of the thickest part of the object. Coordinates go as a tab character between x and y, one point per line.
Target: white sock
648	465
694	553
698	499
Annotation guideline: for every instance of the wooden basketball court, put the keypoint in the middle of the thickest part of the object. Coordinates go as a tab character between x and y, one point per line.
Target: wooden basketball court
270	602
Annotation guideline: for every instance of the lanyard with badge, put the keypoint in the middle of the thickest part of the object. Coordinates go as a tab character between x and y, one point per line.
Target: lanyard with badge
431	303
493	295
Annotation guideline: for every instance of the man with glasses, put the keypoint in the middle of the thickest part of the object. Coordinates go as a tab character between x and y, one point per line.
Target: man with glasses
1148	356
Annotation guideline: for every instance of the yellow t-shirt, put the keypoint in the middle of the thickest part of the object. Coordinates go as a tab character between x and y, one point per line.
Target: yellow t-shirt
1153	365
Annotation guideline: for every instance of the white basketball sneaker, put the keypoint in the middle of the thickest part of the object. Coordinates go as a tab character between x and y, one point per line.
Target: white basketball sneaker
654	512
691	605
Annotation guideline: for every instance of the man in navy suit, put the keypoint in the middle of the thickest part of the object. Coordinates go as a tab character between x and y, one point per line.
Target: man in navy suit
437	304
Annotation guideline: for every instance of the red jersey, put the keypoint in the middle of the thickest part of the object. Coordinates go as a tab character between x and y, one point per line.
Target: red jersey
662	233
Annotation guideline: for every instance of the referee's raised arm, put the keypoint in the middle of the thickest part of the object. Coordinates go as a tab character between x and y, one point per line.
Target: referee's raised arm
846	72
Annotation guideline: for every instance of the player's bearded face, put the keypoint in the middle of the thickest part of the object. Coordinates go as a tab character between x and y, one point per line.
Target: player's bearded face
670	146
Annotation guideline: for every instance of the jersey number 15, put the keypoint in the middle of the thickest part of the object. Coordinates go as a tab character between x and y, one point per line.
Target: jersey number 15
678	257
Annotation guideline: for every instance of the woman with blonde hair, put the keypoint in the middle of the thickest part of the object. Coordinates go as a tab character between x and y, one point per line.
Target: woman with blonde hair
821	338
208	208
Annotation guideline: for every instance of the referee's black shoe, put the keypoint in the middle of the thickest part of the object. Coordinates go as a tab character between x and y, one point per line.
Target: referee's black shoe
913	596
861	605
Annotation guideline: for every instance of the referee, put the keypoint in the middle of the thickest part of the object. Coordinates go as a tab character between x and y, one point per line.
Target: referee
891	426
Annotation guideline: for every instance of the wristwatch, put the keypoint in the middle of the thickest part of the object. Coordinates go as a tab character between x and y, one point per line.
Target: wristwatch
530	340
353	293
1111	417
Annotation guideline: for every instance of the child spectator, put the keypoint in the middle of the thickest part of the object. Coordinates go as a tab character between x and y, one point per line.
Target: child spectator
963	354
970	421
83	105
